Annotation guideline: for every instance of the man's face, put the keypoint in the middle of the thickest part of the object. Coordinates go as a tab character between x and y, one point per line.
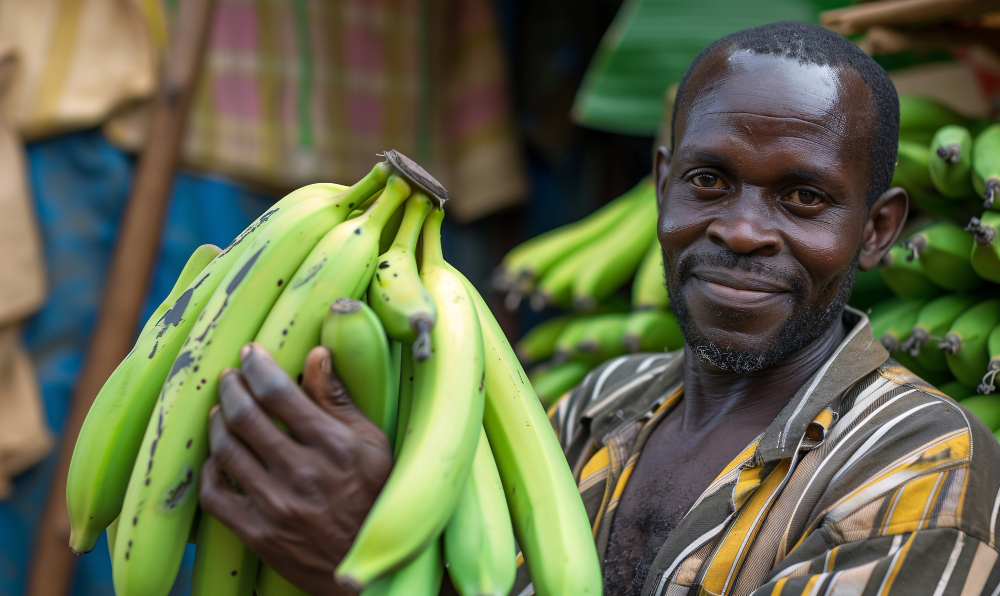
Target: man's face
763	205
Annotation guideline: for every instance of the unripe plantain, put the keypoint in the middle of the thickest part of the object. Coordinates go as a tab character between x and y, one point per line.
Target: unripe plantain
950	161
649	291
986	251
965	344
441	434
420	577
905	275
362	360
986	166
552	382
222	565
933	322
944	250
395	294
652	331
162	493
913	173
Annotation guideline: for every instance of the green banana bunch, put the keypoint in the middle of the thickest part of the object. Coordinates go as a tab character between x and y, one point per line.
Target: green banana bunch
340	265
552	382
405	399
615	256
652	331
905	275
592	339
869	288
944	250
920	118
363	361
539	343
932	323
956	390
479	541
985	257
111	435
892	321
986	166
222	565
649	290
913	173
950	161
986	408
534	258
550	522
420	577
395	293
965	343
442	430
162	491
993	366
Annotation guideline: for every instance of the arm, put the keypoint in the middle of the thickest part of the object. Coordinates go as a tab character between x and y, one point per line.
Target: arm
305	493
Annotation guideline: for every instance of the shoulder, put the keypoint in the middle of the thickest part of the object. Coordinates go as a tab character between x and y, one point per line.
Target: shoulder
614	383
912	457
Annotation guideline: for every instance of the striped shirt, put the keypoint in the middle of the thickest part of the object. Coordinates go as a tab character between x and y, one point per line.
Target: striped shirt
870	481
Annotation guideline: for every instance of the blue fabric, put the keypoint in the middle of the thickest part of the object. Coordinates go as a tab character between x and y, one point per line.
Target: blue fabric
80	183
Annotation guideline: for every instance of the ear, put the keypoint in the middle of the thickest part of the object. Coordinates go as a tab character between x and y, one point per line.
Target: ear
661	172
883	226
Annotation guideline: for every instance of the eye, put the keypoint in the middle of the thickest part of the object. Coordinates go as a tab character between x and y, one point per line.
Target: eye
805	197
705	180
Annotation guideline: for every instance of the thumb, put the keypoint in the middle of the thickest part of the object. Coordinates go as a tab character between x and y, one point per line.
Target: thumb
322	384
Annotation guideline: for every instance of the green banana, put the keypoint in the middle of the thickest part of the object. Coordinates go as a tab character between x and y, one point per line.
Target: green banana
920	118
440	442
550	522
869	288
892	321
395	293
615	256
985	257
111	435
965	343
592	339
420	577
913	173
363	360
340	265
956	390
993	366
652	331
556	286
933	322
222	565
196	263
950	161
554	381
530	260
944	250
905	275
539	343
479	541
649	290
404	401
986	408
162	491
986	166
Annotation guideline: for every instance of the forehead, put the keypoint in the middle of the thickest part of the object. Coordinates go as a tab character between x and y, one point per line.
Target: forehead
766	101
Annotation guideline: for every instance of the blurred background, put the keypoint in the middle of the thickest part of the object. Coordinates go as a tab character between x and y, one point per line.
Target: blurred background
532	113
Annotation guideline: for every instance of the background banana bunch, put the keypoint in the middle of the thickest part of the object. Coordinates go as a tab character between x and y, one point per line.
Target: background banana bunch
360	270
933	301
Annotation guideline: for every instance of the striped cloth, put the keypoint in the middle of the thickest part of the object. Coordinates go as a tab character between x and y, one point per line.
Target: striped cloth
870	481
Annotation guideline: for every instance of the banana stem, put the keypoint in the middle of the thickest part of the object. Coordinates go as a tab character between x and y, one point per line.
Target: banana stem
915	245
422	345
890	342
989	380
992	190
916	342
951	344
950	153
415	212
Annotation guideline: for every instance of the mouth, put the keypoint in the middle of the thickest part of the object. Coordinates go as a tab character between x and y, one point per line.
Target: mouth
735	286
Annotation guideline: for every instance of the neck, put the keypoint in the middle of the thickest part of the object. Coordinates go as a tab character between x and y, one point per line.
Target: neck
715	397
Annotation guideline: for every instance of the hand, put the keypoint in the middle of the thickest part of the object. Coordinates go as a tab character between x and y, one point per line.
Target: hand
305	493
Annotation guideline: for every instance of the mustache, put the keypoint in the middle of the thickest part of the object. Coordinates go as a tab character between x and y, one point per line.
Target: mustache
725	258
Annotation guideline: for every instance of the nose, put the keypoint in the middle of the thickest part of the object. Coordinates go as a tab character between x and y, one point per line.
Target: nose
746	226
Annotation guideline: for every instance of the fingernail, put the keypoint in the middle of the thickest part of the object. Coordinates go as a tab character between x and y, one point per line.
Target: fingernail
226	371
326	366
213	410
245	351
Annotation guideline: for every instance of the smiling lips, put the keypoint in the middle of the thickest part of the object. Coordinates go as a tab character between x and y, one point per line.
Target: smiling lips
735	286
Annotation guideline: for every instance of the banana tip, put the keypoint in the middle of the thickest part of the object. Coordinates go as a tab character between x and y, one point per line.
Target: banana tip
631	343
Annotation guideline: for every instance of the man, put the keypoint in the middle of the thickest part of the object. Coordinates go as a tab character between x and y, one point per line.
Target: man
782	451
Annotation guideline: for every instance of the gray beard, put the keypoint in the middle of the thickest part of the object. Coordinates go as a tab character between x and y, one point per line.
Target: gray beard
802	329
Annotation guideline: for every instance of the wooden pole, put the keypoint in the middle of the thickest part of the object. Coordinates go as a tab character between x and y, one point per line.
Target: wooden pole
136	246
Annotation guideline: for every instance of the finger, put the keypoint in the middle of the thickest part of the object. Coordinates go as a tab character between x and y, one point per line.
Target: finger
220	499
322	384
281	397
231	456
246	419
